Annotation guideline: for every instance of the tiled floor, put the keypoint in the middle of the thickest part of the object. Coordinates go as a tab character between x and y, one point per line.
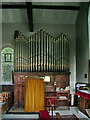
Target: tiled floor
23	116
65	111
72	110
16	109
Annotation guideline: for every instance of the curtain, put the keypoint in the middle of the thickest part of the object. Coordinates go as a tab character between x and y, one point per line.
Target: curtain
34	95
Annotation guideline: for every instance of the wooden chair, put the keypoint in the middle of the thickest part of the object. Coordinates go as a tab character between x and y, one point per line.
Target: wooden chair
51	104
51	101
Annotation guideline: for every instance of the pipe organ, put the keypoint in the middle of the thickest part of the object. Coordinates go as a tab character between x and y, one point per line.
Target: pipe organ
41	53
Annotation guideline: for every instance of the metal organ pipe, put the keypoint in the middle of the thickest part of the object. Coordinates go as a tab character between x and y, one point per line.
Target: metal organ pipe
41	53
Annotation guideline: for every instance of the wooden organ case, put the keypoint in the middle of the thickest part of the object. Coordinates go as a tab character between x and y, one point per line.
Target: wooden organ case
19	84
19	88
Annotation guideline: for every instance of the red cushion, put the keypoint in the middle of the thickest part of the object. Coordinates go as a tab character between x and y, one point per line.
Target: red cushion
44	114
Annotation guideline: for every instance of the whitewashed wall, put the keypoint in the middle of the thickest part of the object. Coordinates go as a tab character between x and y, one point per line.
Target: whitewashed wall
17	20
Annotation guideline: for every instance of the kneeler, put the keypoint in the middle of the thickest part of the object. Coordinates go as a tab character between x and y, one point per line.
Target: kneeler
44	115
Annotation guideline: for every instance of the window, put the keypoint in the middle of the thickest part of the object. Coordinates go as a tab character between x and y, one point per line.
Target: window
7	57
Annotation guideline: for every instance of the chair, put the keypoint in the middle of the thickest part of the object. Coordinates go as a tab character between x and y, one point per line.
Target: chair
51	101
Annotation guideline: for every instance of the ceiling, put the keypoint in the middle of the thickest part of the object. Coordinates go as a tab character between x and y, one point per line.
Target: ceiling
50	16
57	3
44	3
54	16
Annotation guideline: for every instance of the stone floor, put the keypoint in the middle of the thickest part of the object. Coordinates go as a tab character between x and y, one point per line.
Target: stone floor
60	110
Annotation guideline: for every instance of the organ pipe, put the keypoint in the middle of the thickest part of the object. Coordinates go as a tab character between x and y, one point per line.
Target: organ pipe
31	55
47	52
54	56
44	51
41	49
39	44
41	53
36	52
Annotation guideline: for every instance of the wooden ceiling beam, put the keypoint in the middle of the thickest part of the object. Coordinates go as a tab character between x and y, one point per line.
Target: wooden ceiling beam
53	7
30	15
13	6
